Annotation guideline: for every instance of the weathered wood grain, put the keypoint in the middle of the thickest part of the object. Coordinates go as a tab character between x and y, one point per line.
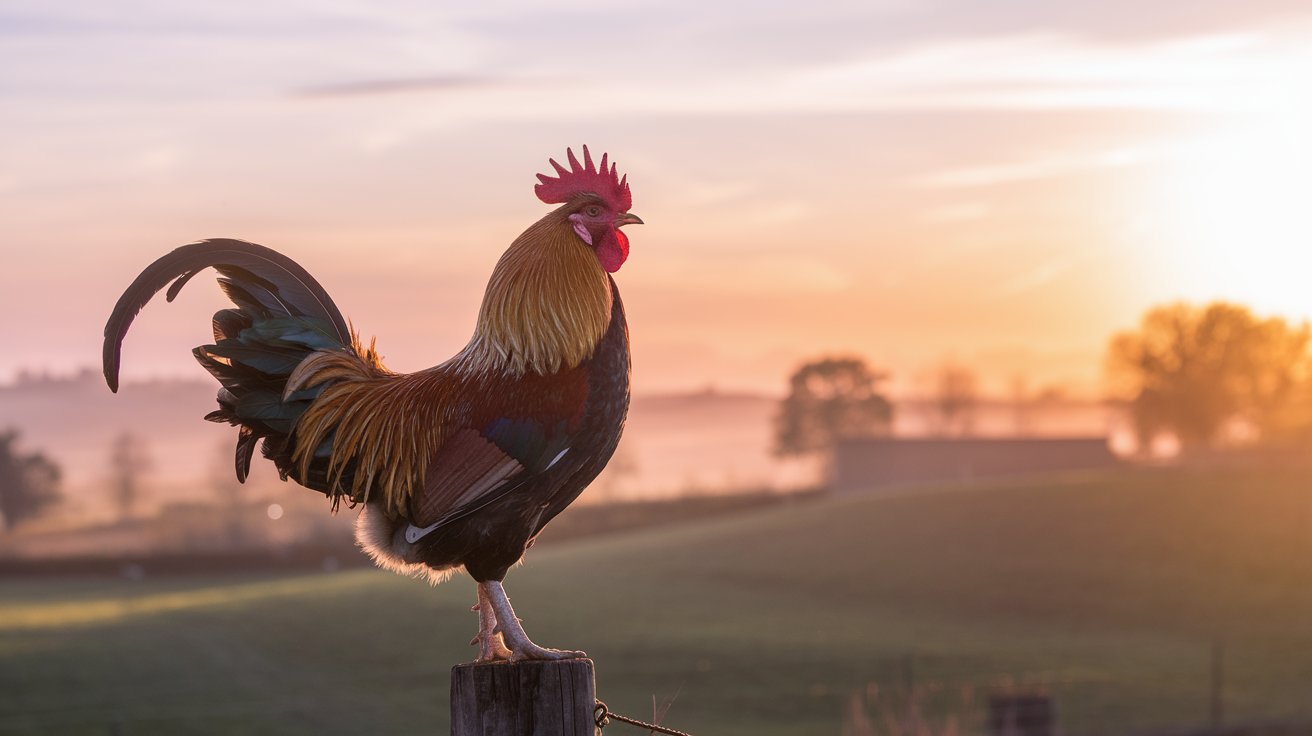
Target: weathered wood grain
523	699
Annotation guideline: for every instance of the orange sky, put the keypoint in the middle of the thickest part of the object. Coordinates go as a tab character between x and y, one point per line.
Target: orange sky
912	182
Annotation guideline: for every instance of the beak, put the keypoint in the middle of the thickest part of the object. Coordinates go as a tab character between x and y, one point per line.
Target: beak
627	218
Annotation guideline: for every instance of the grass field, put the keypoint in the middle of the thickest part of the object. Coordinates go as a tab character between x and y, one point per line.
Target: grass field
1105	590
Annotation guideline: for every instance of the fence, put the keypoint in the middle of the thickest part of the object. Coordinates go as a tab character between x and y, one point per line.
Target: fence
928	695
1224	690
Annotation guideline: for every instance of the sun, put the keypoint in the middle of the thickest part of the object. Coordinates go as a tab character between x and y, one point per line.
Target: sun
1237	210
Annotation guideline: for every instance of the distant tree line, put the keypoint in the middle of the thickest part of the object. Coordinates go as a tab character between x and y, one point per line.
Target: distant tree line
30	481
839	397
1208	375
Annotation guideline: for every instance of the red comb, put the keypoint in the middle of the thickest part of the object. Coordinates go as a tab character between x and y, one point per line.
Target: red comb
588	178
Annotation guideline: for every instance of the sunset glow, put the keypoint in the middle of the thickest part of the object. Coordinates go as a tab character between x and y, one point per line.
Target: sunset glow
1008	191
920	367
1237	203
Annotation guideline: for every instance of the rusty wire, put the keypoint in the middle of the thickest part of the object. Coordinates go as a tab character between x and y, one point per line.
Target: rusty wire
602	716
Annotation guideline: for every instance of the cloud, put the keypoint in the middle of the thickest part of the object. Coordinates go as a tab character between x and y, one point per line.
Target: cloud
1040	167
1035	277
765	274
1236	72
956	212
1047	71
590	62
436	83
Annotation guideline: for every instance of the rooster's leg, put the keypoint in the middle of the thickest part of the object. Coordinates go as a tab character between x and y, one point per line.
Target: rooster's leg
521	647
490	647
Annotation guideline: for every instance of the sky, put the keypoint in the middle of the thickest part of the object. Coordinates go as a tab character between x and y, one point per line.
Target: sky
997	185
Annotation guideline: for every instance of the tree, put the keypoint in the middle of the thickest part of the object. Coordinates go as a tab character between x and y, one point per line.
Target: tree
1193	371
829	399
1021	405
29	483
955	399
229	493
128	463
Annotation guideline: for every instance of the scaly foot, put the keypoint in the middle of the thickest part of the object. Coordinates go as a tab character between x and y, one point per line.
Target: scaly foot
512	632
490	646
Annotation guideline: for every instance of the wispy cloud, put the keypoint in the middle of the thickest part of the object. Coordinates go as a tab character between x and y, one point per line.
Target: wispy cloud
436	83
1035	277
956	212
771	275
1041	167
1230	73
1046	71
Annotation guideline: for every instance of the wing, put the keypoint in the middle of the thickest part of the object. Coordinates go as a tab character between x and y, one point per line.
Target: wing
471	471
511	442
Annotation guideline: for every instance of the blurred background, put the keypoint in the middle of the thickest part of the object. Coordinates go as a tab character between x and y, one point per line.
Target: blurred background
972	382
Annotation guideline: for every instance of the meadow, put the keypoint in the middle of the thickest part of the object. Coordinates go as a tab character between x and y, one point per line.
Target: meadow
1106	591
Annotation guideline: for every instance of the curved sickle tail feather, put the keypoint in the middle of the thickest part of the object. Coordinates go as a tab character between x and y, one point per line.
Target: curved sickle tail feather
300	294
281	315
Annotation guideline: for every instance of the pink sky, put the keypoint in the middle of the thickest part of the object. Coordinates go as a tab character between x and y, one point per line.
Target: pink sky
913	182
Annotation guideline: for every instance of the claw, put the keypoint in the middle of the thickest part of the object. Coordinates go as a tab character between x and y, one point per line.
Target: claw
508	627
533	651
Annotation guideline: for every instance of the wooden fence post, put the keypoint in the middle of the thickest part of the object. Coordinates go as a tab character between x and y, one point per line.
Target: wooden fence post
523	699
1022	715
1218	683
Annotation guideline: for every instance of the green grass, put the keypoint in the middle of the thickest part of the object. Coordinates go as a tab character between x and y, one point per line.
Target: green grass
1104	590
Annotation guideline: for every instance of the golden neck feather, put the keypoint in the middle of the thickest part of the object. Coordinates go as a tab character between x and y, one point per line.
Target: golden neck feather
547	304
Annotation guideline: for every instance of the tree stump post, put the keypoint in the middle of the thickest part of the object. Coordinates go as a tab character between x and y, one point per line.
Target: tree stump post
523	699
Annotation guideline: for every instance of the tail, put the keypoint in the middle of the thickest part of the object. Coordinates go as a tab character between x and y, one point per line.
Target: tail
282	315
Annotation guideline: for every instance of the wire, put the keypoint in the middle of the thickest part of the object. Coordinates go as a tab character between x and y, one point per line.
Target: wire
602	716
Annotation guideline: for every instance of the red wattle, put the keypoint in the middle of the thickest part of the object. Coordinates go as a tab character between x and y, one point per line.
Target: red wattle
613	250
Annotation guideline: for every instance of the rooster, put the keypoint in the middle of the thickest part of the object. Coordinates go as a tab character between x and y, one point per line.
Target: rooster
456	466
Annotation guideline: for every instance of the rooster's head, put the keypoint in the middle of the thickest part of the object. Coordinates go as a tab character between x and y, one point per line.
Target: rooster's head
597	200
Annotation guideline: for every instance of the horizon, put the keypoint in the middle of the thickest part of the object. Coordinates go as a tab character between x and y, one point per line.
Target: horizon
28	377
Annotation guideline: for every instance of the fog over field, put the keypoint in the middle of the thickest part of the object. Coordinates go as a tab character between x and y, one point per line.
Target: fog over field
693	443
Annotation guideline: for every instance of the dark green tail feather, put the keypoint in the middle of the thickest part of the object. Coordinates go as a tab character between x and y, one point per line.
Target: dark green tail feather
282	315
301	294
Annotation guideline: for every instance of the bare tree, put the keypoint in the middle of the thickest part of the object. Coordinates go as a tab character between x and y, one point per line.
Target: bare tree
129	462
829	399
29	482
1022	405
955	399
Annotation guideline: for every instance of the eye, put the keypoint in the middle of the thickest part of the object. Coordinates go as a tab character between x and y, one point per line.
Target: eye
592	211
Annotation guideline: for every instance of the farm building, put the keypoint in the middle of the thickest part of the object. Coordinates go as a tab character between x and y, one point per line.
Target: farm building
882	462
